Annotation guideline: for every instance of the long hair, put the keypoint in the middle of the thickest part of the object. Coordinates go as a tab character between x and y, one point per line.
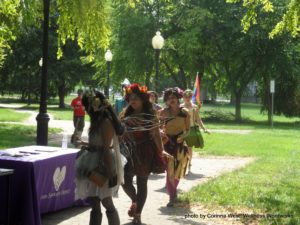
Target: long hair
99	109
172	91
147	110
142	92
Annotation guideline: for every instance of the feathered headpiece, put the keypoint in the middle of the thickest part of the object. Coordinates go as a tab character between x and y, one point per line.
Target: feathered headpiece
98	107
135	88
94	102
173	91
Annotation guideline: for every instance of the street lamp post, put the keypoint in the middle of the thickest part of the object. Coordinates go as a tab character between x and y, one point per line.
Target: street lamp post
108	58
157	44
43	118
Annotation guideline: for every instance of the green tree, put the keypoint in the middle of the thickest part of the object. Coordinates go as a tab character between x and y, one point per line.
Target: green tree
289	18
285	71
83	21
21	72
8	23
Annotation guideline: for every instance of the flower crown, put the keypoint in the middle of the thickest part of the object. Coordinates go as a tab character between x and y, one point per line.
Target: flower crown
172	91
136	89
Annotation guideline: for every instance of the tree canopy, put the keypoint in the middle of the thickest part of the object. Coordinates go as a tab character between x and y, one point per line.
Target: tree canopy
289	21
200	36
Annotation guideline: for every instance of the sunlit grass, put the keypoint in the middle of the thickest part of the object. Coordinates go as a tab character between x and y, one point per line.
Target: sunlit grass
270	184
10	115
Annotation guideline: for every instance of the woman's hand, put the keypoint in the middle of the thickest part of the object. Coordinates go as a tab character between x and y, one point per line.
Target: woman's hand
167	155
206	131
180	139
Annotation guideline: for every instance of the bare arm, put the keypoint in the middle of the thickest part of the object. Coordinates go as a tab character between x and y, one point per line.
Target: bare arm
199	120
108	133
186	128
156	136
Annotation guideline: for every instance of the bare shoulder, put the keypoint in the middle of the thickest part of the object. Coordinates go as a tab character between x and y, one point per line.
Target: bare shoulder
162	112
185	110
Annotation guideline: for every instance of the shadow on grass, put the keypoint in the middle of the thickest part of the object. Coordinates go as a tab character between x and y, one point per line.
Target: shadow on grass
22	101
283	210
16	135
253	124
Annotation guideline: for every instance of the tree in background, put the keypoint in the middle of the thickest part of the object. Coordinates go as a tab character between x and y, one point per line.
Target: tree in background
288	21
9	23
21	70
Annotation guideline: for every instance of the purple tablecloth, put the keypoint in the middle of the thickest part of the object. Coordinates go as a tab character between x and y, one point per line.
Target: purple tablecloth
43	181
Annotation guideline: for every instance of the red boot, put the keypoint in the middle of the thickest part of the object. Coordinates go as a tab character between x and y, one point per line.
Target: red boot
132	209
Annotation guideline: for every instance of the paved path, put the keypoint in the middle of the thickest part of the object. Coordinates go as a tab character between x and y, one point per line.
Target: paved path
155	210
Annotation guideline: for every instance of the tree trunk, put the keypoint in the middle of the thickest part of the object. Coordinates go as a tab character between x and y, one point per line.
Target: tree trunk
29	98
61	95
23	95
232	99
269	107
238	97
147	80
267	98
214	95
183	79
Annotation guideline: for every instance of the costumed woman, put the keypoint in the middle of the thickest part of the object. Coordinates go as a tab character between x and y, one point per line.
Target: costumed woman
145	149
99	170
175	129
194	138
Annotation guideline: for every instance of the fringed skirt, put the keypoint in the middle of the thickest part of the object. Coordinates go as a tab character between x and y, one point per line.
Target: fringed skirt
86	162
177	166
194	138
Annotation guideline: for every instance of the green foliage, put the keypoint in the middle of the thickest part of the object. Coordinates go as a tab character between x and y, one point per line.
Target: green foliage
13	15
84	21
8	20
132	29
289	21
24	78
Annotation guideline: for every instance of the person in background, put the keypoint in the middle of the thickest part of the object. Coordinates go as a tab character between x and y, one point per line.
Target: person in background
175	129
194	138
78	117
99	164
121	103
153	97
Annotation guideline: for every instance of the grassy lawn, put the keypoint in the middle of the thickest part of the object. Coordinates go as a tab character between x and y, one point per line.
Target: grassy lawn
221	116
57	113
16	135
8	115
52	108
61	114
271	184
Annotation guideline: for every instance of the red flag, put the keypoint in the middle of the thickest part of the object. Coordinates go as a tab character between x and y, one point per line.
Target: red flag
196	91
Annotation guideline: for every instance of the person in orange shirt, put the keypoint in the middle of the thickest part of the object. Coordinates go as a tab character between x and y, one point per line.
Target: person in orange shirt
78	117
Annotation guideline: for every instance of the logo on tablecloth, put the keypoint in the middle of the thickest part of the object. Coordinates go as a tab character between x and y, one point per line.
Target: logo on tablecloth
59	176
